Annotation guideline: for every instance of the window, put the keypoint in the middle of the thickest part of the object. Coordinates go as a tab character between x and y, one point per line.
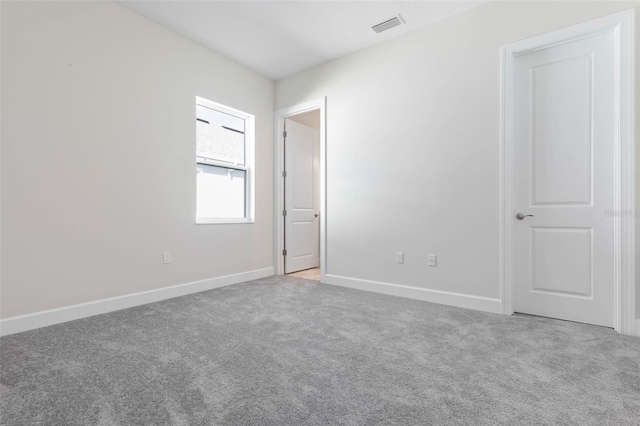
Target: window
224	164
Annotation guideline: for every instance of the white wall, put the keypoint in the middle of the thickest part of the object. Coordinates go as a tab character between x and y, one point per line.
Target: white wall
413	146
98	151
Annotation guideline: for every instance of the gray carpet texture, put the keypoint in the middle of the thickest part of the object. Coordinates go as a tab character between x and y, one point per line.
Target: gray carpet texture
289	351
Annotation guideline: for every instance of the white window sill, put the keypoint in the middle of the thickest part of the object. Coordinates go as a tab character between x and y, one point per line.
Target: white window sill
215	221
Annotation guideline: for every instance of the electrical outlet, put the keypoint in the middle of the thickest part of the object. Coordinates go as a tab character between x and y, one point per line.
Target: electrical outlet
433	260
166	257
399	257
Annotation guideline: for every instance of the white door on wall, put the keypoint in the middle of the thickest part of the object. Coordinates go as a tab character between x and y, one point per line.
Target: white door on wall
302	154
564	177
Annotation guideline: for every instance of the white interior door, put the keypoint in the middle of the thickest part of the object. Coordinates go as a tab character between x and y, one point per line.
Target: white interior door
302	155
564	177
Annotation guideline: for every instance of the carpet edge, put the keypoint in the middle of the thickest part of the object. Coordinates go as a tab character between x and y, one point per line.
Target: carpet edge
459	300
18	324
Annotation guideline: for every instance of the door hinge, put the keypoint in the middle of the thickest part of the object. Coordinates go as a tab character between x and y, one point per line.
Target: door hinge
284	174
284	134
284	252
284	212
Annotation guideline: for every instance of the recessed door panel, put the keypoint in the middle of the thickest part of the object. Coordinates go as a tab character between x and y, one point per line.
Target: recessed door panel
304	239
302	174
561	131
561	261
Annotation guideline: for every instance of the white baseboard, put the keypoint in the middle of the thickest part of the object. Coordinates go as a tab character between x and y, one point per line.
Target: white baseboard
637	333
22	323
478	303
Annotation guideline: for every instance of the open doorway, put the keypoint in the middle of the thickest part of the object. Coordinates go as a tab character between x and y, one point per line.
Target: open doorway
300	191
302	194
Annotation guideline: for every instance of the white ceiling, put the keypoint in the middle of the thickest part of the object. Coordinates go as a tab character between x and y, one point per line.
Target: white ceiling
281	38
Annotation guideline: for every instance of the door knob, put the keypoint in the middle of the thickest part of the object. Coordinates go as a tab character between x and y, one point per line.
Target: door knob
521	216
316	215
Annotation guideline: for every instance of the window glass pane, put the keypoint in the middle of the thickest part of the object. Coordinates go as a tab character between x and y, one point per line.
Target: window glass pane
220	192
219	136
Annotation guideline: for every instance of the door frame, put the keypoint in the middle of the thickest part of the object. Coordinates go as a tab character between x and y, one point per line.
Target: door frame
622	24
280	116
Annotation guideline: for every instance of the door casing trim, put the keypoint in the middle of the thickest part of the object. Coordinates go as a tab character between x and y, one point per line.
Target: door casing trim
622	24
278	182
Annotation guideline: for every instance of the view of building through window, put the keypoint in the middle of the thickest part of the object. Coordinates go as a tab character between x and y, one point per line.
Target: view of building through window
223	148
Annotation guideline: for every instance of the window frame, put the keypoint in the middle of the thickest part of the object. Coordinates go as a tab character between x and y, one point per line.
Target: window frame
248	167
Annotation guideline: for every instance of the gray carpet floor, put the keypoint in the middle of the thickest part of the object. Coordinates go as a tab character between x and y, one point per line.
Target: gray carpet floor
289	351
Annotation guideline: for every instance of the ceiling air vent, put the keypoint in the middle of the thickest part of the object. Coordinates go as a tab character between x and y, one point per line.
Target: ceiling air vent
388	24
